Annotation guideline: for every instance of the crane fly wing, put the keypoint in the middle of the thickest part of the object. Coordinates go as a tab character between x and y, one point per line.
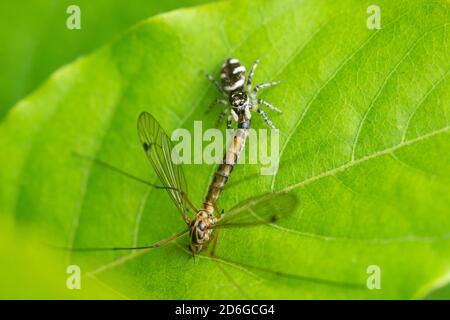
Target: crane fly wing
268	208
158	148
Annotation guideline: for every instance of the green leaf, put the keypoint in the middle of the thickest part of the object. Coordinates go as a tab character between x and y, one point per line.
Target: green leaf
364	148
37	41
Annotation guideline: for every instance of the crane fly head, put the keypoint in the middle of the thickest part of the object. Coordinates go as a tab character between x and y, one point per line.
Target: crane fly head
195	248
199	231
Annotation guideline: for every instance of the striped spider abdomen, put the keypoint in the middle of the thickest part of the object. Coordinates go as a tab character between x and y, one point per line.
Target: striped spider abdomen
232	75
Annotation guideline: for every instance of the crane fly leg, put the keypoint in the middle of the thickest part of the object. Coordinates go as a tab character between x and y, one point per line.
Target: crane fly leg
217	211
213	249
188	201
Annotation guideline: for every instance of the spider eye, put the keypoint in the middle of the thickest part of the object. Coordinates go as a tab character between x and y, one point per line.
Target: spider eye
238	99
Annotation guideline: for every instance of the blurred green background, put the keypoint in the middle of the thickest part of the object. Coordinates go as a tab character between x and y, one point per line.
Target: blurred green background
35	41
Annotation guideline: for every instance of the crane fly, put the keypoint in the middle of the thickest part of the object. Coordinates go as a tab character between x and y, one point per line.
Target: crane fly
264	209
252	212
158	148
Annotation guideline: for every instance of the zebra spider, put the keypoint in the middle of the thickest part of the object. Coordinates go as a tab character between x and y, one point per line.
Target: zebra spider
238	95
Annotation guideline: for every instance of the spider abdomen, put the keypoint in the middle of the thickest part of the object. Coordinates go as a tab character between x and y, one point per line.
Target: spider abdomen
232	75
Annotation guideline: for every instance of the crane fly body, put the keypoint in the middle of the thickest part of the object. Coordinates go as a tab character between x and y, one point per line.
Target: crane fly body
158	148
265	209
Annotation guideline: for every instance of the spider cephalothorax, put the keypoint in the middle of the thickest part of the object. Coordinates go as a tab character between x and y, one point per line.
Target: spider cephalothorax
239	101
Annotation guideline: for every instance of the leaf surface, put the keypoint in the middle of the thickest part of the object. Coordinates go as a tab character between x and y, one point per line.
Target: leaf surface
364	148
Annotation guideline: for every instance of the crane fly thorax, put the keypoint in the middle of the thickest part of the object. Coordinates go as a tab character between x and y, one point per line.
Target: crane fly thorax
199	228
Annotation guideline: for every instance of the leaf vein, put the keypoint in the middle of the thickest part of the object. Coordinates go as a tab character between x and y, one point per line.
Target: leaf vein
421	102
383	86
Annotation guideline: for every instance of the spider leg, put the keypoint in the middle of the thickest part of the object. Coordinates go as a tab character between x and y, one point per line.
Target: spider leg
221	116
268	105
229	121
265	117
234	115
265	85
248	115
216	102
250	75
216	84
